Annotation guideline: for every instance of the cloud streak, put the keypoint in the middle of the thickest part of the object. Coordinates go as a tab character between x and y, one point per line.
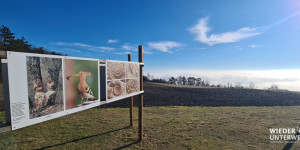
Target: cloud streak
165	46
128	47
255	46
201	30
122	53
86	46
110	41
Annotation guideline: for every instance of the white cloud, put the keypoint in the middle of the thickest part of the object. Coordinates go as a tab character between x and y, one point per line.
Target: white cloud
126	46
201	29
82	45
122	53
70	50
285	79
112	41
238	47
148	52
255	46
164	46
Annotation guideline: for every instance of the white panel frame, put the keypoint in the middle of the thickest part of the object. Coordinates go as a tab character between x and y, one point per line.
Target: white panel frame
18	89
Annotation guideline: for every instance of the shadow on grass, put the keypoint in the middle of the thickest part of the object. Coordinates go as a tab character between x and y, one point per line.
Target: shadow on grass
87	137
289	145
125	146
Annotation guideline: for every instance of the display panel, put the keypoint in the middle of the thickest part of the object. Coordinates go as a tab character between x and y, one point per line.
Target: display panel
44	82
122	80
35	88
81	84
44	87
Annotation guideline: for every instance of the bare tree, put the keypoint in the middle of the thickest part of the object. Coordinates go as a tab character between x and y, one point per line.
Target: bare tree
274	87
251	85
238	85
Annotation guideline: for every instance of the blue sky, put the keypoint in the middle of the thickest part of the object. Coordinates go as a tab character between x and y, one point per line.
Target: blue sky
177	35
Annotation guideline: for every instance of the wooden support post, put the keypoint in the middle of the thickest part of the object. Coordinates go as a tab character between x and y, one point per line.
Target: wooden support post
141	95
130	101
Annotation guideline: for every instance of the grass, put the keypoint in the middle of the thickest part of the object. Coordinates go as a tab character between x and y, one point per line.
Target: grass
171	127
175	127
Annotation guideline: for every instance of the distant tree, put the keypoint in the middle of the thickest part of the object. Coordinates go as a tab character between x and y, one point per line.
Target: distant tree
198	82
1	45
179	80
172	80
20	45
184	81
251	85
229	85
159	80
148	76
145	79
206	83
191	81
274	87
238	85
6	37
152	77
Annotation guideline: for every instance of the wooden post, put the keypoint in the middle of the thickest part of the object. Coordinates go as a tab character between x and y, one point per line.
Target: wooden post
130	101
141	95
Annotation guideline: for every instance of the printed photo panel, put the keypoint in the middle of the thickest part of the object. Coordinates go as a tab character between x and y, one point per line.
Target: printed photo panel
81	82
122	80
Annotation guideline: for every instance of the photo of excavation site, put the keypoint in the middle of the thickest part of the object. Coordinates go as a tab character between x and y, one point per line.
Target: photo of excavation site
45	92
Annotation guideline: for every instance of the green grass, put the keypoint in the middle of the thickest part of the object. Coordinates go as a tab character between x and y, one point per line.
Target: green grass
164	128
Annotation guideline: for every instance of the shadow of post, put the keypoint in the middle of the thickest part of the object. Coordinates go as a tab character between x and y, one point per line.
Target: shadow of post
83	138
125	146
289	145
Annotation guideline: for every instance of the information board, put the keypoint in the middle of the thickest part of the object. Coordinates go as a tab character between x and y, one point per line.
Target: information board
43	87
122	80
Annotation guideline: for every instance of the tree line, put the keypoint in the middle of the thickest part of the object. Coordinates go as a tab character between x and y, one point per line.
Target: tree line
8	42
192	81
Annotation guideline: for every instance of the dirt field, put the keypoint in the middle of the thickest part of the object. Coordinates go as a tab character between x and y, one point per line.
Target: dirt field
157	94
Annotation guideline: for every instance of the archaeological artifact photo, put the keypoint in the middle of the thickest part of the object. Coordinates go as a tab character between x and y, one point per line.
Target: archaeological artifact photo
45	92
122	79
132	70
